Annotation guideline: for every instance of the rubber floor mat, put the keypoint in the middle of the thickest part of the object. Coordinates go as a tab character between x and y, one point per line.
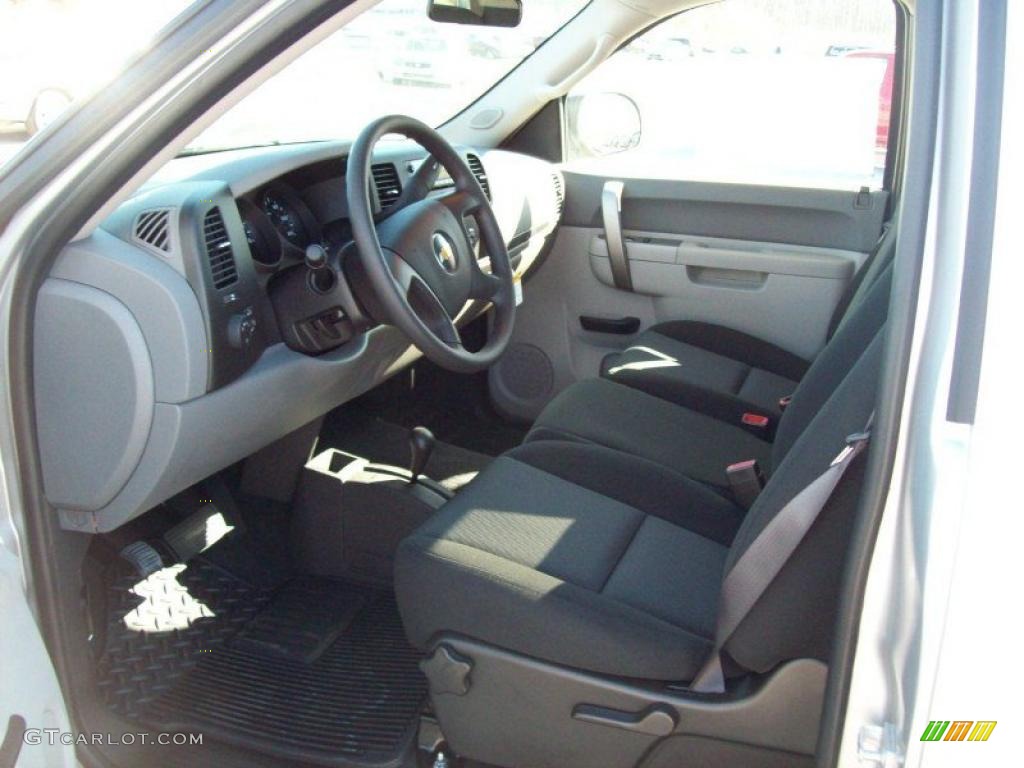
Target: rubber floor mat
187	649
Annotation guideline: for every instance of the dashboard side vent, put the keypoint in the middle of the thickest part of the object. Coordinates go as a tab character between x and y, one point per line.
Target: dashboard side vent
218	250
389	186
477	167
559	193
153	229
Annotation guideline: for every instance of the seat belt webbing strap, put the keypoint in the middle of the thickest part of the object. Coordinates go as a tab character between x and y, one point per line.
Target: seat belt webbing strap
751	575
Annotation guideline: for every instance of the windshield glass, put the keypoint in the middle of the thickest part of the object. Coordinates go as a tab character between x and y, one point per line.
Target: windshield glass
390	59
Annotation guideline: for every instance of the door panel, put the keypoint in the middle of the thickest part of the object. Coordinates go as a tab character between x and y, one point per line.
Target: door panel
819	217
772	262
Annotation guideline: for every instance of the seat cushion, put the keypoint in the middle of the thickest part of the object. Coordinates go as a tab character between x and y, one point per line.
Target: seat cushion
709	368
678	438
575	554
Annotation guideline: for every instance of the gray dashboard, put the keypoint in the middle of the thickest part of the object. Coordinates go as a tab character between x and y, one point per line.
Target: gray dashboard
158	362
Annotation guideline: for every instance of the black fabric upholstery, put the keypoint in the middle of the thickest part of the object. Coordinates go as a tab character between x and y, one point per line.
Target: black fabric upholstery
696	378
736	345
725	373
524	559
639	483
833	364
877	263
683	440
602	541
693	443
795	616
543	555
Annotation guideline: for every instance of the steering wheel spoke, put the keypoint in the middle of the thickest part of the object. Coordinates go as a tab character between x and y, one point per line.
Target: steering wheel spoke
420	297
485	287
431	312
401	272
462	203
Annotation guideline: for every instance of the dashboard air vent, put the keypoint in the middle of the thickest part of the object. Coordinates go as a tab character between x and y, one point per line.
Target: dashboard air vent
218	250
389	187
559	193
153	229
477	167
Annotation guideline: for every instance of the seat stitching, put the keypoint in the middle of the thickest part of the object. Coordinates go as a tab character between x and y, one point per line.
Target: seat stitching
565	432
622	554
743	382
534	593
711	488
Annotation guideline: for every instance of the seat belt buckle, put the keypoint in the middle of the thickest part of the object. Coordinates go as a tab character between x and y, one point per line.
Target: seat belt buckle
784	402
746	481
755	420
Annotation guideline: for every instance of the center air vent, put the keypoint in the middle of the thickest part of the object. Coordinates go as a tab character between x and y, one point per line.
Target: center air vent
477	167
218	250
389	187
153	229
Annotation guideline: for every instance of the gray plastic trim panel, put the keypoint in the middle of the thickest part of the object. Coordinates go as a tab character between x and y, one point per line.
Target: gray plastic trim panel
518	711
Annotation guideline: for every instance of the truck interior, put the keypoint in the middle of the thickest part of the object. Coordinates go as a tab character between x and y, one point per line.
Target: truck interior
434	446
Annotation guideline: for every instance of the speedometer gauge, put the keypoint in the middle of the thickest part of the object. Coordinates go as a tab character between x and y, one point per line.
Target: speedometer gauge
285	219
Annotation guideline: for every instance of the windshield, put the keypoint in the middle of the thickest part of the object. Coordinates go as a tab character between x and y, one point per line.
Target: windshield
390	59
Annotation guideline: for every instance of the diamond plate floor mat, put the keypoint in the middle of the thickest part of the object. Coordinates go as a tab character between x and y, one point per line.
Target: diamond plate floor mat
315	671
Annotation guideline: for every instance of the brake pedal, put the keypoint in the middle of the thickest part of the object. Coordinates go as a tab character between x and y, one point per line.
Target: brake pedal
197	532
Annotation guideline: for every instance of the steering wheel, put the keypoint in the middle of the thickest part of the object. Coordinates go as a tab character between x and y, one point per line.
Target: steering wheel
419	262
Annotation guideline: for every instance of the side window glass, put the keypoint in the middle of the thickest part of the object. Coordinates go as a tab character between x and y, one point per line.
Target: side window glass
777	92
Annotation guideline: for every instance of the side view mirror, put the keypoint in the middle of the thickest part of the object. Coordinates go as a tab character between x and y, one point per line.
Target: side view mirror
603	123
485	13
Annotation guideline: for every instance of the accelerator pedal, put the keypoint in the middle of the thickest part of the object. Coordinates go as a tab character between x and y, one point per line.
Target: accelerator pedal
143	557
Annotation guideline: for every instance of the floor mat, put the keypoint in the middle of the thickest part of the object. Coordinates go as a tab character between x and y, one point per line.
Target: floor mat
383	442
314	671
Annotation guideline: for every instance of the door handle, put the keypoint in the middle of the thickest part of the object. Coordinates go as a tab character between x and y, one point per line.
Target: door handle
611	216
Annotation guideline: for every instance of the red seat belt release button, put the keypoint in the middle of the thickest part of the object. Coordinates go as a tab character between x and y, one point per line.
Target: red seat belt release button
755	420
746	481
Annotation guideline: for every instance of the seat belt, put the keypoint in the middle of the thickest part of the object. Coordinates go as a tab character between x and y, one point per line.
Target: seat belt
751	575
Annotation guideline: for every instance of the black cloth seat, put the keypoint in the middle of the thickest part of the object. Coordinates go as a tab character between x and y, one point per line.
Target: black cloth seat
695	443
559	551
726	373
591	558
722	372
630	420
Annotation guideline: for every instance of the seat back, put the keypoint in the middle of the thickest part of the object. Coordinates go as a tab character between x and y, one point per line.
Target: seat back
880	258
795	616
832	365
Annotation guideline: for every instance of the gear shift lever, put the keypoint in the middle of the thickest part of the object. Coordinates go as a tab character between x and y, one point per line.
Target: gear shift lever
421	445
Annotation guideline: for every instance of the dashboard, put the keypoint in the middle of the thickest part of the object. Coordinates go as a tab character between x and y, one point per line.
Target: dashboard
166	346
